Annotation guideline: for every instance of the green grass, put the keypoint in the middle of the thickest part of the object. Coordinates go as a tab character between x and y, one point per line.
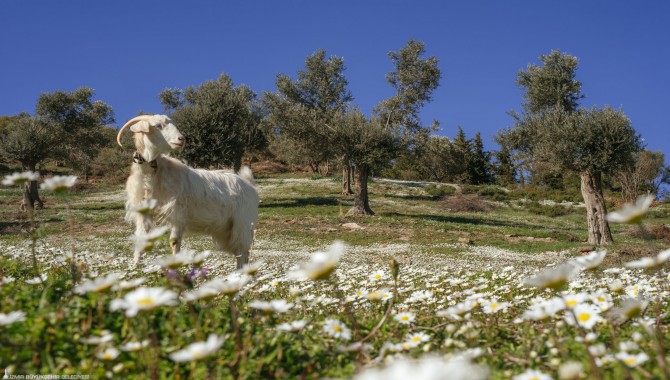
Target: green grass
440	251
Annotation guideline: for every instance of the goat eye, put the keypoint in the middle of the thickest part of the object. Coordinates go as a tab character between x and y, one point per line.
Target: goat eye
159	126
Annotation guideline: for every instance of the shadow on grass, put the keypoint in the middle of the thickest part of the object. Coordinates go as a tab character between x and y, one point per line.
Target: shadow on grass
410	197
473	220
303	202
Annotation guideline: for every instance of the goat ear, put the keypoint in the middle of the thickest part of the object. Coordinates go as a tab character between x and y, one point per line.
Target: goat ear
141	126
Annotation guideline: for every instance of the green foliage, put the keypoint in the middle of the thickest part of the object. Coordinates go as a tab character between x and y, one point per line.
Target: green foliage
551	211
219	120
414	79
77	121
26	140
439	191
552	85
301	116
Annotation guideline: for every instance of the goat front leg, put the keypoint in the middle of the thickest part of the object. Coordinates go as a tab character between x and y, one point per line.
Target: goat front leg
242	259
175	238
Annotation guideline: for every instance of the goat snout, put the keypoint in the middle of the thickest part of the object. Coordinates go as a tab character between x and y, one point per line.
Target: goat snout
179	142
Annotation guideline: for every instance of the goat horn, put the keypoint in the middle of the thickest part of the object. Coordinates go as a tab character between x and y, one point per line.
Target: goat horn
128	124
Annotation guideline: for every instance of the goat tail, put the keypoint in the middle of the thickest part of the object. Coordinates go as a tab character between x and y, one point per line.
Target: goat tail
246	174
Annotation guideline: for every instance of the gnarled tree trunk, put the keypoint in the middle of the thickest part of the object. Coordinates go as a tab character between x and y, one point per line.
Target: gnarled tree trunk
31	196
346	178
599	229
361	202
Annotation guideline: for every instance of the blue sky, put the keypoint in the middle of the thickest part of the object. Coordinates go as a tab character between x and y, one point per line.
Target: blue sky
128	51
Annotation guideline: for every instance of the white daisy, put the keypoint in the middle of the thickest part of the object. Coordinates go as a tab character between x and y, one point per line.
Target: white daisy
630	213
198	350
144	299
98	285
274	306
321	265
110	353
20	178
12	317
336	329
405	317
134	346
59	184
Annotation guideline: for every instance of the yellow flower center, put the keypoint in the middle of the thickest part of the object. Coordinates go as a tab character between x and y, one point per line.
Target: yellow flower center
378	276
404	318
416	339
494	305
337	328
570	303
630	361
146	301
107	356
197	354
584	317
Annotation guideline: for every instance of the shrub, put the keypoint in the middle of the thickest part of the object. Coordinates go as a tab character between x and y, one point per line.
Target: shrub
439	191
467	203
551	211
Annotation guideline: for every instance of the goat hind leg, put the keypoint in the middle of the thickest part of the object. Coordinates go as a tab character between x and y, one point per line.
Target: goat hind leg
175	238
242	259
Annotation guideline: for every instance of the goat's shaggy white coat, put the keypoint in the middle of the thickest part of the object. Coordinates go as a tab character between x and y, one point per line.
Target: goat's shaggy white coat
218	203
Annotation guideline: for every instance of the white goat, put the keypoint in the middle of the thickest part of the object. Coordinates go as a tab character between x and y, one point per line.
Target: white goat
213	202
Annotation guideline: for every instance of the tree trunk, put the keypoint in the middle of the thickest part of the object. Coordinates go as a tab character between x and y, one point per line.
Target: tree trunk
599	229
346	178
31	196
361	202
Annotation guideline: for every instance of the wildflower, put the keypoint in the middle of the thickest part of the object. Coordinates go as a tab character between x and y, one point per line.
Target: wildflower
145	242
293	326
629	308
631	360
494	306
377	275
110	353
553	278
251	268
144	299
198	350
417	338
427	368
134	346
12	317
570	370
201	293
59	184
379	295
37	280
174	261
650	262
321	265
459	310
337	329
592	260
420	296
95	340
7	280
274	306
130	284
98	285
572	300
405	317
355	347
20	178
587	315
145	207
629	213
532	374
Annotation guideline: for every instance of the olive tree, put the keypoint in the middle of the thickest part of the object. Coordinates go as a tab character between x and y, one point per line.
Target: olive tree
591	142
220	121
